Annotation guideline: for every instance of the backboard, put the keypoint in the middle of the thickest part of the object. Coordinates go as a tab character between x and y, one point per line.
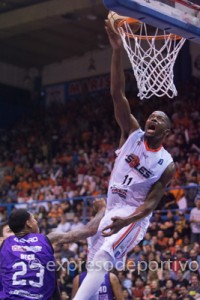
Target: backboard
180	17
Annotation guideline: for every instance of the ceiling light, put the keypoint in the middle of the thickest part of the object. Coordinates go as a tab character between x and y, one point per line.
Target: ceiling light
91	17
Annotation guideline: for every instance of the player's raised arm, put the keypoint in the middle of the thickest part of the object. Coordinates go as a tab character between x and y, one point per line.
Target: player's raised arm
153	198
123	115
84	232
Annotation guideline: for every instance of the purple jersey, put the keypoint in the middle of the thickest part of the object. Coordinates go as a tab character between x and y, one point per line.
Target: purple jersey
105	290
27	267
1	288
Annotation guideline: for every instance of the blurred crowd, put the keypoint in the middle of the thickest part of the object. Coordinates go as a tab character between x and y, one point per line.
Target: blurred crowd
67	151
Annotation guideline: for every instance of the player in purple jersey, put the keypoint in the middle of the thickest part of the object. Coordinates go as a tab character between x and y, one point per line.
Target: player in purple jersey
5	232
110	288
27	263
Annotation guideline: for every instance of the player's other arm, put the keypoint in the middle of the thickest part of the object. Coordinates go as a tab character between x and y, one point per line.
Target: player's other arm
75	286
116	287
81	233
123	115
153	198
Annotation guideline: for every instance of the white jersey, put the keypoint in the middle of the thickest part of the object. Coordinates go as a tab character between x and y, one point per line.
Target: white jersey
136	169
195	215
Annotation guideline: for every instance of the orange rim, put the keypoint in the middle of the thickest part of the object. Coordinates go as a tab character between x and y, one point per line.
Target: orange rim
172	36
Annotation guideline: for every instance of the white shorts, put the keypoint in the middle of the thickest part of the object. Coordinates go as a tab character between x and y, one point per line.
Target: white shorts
119	244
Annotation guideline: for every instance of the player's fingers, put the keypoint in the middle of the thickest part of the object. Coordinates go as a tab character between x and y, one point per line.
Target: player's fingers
105	234
109	29
107	228
114	219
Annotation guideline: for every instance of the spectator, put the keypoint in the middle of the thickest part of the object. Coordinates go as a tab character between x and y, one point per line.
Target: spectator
147	295
168	225
184	294
177	239
170	285
181	225
155	289
167	275
66	253
63	225
187	245
76	223
153	272
168	201
135	255
147	239
125	280
195	221
194	285
180	280
170	247
126	294
167	295
43	226
174	296
63	279
194	256
138	289
162	240
51	224
155	244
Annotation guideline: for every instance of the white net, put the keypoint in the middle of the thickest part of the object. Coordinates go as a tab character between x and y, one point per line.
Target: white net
152	60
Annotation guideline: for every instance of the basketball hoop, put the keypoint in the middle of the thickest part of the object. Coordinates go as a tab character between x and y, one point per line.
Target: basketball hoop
152	57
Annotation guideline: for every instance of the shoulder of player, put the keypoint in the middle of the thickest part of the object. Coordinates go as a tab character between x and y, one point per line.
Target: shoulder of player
171	168
113	278
168	174
126	137
5	241
138	131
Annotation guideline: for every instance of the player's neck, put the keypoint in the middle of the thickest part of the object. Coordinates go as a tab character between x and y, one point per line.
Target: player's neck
152	144
22	233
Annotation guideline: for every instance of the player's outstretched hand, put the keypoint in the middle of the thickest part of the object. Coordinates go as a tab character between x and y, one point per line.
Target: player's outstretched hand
117	224
115	39
99	204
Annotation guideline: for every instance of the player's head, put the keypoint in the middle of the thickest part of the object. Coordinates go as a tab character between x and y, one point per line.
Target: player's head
21	220
5	231
157	125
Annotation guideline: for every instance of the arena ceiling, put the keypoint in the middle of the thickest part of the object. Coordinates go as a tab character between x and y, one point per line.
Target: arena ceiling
35	33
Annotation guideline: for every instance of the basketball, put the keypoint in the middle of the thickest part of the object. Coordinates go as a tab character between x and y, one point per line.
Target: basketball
114	20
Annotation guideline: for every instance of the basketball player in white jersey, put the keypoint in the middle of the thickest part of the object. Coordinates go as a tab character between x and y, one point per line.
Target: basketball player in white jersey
141	172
